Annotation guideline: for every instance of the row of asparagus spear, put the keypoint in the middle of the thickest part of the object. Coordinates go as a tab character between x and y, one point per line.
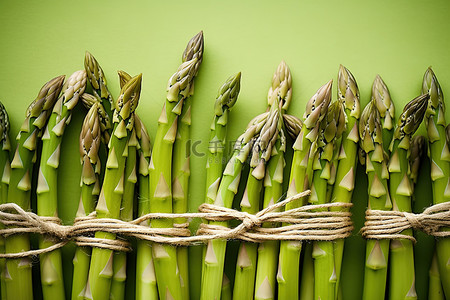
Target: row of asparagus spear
327	144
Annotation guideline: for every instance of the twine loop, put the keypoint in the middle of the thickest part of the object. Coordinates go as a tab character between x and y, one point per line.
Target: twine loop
382	224
311	222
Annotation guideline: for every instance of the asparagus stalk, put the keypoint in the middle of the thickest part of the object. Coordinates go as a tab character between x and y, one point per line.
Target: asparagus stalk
105	122
90	188
181	159
109	203
301	174
18	271
98	83
46	190
5	170
280	93
165	257
440	164
330	130
215	252
215	157
417	150
244	282
126	209
402	275
435	291
145	272
377	251
348	95
383	102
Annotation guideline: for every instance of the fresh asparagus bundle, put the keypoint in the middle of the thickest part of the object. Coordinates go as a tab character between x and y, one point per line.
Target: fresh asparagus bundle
18	271
280	93
145	272
331	129
215	252
179	88
402	275
90	188
440	164
181	159
244	283
110	199
348	95
47	185
377	251
5	169
300	177
98	83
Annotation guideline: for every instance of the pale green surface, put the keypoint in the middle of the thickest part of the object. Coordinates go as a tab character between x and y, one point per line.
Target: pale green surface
43	39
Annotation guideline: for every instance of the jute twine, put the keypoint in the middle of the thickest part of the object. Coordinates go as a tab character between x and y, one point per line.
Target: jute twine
382	224
311	222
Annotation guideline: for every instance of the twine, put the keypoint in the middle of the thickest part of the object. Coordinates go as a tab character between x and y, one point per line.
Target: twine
311	222
382	224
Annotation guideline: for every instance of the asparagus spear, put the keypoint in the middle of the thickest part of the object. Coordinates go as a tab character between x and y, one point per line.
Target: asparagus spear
348	95
215	253
105	122
5	169
46	190
244	282
331	129
435	290
18	271
440	164
181	159
98	83
417	150
226	98
382	100
280	93
377	251
145	272
402	275
265	282
165	257
301	174
126	209
90	188
109	203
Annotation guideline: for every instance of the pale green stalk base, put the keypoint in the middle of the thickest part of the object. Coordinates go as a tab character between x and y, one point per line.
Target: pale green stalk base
375	277
307	276
266	272
435	291
81	262
119	276
244	282
402	275
146	288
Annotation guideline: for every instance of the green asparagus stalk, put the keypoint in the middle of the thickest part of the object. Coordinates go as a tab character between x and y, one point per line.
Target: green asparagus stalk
47	185
215	159
165	256
110	199
105	122
417	150
377	251
300	177
280	93
348	95
331	129
244	282
5	170
90	188
265	282
440	164
18	271
402	274
98	83
226	288
435	291
181	159
212	275
145	272
382	100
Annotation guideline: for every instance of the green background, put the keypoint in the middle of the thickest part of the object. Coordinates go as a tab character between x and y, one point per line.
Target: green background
396	39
